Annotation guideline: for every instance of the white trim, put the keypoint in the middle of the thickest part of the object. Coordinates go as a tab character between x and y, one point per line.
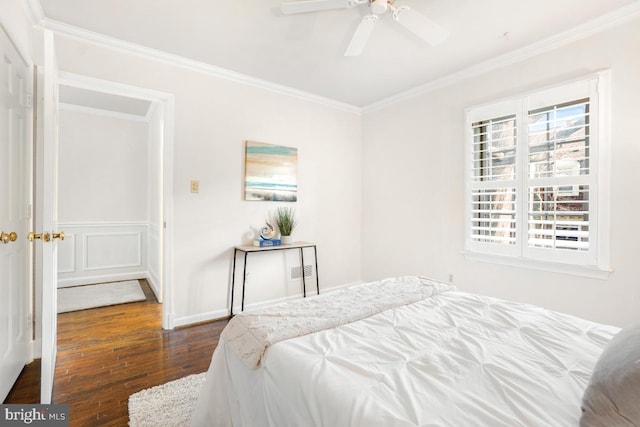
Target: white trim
166	220
81	81
222	314
106	224
612	19
102	278
60	28
603	178
101	112
554	267
152	281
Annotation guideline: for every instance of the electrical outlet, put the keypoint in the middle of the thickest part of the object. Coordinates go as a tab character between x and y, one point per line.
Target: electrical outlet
195	186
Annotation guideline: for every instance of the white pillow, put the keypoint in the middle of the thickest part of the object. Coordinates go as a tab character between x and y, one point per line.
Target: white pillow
612	398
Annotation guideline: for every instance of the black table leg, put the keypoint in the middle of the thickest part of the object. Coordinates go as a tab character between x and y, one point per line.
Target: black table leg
244	278
233	279
315	252
304	283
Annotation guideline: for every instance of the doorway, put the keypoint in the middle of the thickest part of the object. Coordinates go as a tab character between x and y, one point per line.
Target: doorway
116	221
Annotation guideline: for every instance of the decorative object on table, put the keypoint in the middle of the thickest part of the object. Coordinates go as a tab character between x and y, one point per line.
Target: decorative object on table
268	232
267	235
286	222
267	242
270	172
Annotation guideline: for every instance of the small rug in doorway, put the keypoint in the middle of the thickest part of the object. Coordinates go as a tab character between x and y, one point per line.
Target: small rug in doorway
102	294
166	405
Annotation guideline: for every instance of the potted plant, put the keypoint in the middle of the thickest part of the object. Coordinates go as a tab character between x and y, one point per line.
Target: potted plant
286	222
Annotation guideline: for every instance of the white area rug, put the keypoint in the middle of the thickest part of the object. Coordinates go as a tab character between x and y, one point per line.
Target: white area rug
166	405
91	296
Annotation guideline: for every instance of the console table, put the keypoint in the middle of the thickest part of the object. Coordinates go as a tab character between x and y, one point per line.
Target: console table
249	249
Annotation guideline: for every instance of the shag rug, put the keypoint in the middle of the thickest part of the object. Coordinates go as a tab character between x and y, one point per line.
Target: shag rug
76	298
166	405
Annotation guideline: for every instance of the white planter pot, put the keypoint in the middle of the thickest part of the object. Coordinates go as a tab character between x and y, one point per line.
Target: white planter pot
286	240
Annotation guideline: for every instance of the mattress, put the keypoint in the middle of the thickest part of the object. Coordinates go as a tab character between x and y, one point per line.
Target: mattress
451	359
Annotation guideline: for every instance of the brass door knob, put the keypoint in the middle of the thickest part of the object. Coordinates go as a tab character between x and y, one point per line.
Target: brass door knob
8	237
33	236
59	235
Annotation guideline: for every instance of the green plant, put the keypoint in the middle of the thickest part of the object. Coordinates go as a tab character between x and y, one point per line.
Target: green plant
285	219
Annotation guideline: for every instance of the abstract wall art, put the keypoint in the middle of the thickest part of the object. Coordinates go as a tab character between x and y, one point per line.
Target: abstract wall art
270	172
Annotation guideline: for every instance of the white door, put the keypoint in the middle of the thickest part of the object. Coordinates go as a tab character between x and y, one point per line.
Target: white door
15	202
46	245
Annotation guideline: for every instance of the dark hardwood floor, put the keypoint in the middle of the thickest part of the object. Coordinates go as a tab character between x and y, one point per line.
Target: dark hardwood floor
106	354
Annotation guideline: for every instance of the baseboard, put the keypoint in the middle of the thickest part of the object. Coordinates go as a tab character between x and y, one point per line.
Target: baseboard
153	281
220	314
90	280
199	318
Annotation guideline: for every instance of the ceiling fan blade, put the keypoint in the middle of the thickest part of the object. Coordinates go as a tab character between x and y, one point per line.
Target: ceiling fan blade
312	6
361	36
425	28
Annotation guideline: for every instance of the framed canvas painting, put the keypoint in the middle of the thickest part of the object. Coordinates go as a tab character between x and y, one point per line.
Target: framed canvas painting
270	172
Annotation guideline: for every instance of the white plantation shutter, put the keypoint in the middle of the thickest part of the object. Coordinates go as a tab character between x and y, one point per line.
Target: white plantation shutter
494	216
493	175
532	187
559	181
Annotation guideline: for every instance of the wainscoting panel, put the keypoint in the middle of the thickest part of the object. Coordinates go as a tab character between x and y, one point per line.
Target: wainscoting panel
102	252
105	251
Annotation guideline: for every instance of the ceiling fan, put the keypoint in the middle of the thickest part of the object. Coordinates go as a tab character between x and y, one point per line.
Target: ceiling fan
425	28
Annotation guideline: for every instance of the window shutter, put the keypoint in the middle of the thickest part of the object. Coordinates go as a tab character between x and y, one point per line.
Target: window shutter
537	170
493	204
559	177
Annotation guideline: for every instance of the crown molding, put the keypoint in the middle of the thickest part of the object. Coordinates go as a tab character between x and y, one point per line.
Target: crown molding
102	40
610	20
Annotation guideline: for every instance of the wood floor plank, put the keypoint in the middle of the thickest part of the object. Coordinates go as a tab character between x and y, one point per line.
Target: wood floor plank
108	353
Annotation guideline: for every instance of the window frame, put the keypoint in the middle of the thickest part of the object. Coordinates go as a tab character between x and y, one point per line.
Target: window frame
591	263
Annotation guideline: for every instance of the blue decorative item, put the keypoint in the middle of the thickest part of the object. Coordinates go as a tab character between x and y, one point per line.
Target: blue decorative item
268	232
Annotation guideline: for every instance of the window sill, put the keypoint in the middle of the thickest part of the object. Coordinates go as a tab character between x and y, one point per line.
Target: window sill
593	272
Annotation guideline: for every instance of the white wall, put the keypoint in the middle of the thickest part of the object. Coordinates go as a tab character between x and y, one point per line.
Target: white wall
213	117
414	183
102	164
103	191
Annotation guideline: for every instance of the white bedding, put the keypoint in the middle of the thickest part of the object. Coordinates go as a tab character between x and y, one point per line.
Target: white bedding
454	359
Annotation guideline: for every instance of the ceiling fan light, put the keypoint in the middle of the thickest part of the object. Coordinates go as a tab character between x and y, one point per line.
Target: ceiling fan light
378	6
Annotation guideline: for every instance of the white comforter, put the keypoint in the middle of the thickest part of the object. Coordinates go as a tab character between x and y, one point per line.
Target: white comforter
454	359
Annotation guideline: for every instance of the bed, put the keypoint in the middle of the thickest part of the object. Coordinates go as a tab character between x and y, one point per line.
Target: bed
405	351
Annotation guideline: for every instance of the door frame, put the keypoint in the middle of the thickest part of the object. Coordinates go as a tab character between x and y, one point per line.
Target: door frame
165	102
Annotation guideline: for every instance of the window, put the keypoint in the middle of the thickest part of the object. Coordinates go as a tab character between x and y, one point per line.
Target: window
537	173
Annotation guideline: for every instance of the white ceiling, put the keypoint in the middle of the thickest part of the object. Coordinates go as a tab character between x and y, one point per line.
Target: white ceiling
304	51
